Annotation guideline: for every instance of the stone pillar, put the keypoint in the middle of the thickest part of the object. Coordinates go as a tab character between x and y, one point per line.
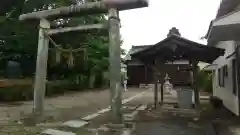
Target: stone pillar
156	94
115	66
41	69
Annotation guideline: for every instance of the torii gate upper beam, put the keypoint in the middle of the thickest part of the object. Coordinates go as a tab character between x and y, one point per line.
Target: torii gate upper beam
86	9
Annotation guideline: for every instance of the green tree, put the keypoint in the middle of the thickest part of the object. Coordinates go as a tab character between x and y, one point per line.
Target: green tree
18	40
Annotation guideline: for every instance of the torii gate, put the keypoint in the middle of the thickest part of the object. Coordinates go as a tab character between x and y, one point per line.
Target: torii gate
104	6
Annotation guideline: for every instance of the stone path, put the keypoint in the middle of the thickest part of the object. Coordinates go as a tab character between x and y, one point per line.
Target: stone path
70	127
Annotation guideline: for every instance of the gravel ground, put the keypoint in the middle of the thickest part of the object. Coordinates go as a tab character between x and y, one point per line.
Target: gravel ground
150	123
62	108
169	127
76	104
224	122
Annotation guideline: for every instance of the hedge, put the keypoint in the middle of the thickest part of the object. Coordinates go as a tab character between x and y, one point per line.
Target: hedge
204	81
25	92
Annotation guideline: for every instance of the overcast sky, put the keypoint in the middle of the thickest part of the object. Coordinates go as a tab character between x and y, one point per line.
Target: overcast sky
150	25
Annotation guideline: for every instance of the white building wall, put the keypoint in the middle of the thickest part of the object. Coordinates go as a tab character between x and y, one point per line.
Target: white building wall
231	18
230	100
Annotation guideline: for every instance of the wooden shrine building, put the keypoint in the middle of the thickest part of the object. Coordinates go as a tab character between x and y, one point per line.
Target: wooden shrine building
175	48
134	67
138	73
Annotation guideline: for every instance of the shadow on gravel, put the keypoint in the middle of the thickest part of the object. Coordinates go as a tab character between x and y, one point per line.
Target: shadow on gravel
151	123
168	128
222	129
223	121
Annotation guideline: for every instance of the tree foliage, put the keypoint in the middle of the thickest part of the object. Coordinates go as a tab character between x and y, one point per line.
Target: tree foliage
204	81
18	40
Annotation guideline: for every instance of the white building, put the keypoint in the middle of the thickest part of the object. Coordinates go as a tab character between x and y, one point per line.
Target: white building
224	32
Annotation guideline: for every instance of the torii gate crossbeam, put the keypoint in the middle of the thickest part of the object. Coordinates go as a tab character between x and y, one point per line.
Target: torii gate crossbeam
86	9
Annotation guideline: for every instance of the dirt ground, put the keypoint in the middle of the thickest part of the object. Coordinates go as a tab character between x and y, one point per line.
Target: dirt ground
151	123
154	122
224	122
58	109
76	105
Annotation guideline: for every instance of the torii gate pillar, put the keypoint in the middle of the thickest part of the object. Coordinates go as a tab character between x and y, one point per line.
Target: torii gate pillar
115	66
41	69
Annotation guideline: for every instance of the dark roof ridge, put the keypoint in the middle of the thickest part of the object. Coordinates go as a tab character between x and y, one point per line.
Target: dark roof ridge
169	38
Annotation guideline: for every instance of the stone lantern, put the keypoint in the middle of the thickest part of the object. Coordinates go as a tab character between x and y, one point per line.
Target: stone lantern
167	86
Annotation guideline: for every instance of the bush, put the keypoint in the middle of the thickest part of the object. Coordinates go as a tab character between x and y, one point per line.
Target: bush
204	81
22	89
208	86
16	93
25	92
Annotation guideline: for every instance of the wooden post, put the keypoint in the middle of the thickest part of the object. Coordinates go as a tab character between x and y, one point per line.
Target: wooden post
41	69
194	83
155	73
145	75
156	91
162	94
159	68
115	66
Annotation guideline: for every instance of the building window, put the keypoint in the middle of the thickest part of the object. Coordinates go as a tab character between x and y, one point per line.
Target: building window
221	76
234	77
225	71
